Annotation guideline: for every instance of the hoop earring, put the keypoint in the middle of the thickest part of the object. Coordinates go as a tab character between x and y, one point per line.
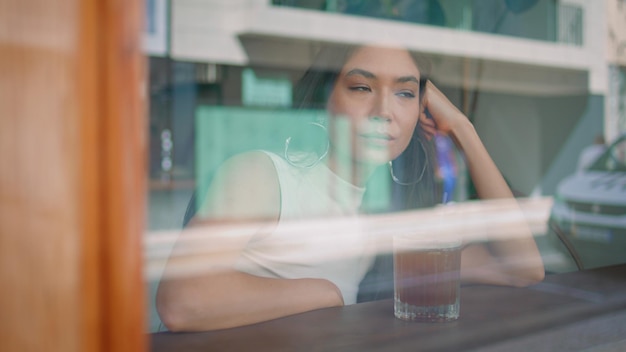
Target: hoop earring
397	181
298	163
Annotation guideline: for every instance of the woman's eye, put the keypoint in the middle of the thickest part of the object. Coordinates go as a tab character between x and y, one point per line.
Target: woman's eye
406	94
360	89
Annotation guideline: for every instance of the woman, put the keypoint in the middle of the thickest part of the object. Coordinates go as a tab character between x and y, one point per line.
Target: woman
379	96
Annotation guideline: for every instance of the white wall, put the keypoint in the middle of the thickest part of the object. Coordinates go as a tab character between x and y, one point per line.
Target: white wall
615	119
616	44
211	31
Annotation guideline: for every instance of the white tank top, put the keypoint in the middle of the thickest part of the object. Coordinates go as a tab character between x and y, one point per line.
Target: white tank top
318	233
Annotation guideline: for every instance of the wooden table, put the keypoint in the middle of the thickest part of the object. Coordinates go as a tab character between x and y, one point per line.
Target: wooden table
491	316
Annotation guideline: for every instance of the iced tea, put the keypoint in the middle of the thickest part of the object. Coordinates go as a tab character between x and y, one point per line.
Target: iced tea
426	280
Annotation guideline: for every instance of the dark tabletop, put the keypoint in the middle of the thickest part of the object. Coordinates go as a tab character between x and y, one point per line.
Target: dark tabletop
489	315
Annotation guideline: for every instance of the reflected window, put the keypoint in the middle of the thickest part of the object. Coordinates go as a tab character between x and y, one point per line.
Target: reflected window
336	141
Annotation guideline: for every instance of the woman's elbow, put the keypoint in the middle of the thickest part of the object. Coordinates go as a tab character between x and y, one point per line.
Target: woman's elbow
529	277
180	312
172	314
176	309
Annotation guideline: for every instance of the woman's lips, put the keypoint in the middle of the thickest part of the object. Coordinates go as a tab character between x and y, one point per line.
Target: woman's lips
377	135
377	138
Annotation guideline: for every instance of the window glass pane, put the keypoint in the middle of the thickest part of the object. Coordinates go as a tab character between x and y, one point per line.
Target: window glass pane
291	140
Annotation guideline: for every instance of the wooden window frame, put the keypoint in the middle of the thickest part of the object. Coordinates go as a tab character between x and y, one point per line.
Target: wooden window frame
73	134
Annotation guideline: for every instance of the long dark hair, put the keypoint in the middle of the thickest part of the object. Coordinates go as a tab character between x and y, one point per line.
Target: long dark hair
313	91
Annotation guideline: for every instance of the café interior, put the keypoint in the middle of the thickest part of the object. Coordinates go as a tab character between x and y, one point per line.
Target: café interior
119	117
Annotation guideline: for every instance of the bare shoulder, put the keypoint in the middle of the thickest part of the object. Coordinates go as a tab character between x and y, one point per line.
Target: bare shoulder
244	188
250	169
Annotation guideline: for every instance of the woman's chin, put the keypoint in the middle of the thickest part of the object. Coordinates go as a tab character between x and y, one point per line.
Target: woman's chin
374	156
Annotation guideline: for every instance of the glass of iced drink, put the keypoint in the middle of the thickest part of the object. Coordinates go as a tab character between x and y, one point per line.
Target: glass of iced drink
426	278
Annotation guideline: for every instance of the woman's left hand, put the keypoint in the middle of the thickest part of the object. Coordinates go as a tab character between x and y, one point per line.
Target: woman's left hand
446	118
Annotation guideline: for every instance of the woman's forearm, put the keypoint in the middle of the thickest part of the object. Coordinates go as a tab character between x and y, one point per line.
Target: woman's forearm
515	261
487	178
230	298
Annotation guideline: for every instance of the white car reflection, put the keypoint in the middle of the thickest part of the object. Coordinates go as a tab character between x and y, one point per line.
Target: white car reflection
589	212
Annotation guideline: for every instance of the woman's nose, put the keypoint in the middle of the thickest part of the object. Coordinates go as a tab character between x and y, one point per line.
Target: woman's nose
382	109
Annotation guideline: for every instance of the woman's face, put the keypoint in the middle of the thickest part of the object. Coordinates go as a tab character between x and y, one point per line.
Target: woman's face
377	90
